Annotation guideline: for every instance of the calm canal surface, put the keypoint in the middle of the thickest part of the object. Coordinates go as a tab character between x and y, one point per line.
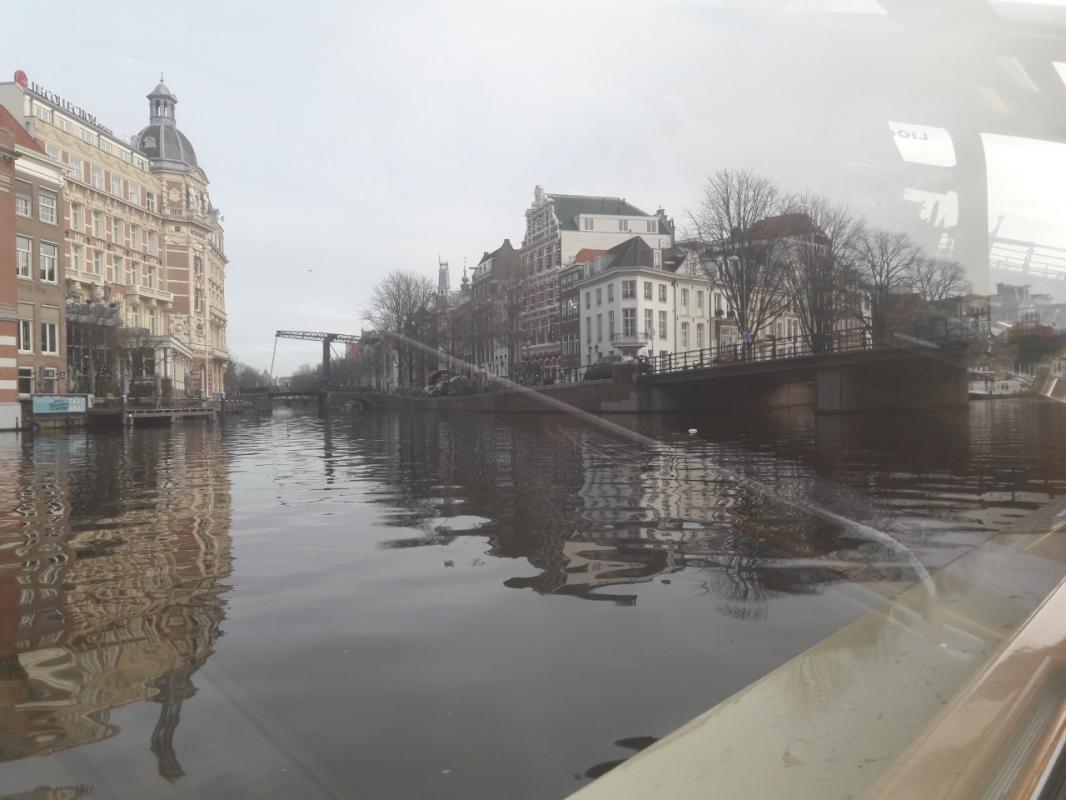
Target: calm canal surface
452	607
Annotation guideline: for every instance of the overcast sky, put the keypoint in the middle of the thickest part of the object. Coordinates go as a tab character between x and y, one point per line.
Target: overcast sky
345	139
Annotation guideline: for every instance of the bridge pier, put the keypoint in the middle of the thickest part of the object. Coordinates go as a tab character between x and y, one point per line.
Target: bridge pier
900	385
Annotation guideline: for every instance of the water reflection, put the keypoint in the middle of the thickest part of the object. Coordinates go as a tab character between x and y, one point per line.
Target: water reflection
111	569
593	515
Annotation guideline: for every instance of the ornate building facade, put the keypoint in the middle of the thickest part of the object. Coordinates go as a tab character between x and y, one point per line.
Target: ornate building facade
142	245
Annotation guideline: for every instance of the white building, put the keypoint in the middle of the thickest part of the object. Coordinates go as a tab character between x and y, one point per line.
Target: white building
635	301
558	226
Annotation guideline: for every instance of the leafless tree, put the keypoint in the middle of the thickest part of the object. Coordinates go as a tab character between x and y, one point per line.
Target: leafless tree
938	279
822	265
883	264
400	304
740	259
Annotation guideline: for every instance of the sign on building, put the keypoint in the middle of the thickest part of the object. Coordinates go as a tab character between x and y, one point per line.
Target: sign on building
45	404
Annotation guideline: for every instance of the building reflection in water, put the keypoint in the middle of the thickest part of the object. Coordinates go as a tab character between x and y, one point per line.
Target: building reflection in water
594	515
111	586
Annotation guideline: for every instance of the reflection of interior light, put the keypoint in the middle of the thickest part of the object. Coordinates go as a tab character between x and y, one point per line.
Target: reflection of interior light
938	209
1025	180
1060	68
817	6
1014	68
922	144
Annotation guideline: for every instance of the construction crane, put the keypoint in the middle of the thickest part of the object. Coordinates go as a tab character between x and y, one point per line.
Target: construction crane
327	340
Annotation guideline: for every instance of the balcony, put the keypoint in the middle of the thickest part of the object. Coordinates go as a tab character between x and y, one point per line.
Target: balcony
82	276
133	290
630	339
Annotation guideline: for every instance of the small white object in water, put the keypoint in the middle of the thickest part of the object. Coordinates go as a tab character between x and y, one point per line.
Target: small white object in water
692	431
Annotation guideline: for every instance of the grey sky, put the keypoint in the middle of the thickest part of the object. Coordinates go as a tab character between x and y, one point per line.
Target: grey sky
346	139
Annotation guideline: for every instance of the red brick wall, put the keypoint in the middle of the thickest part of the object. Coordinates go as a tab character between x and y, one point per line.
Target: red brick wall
8	286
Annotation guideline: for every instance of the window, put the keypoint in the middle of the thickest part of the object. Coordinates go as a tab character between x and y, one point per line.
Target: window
151	320
136	242
653	226
647	290
140	162
587	223
717	304
116	230
125	155
599	296
629	290
610	323
127	277
23	256
25	330
46	207
65	124
610	292
98	224
135	193
662	324
599	327
105	145
116	186
662	292
77	218
76	257
649	322
588	330
623	224
97	178
49	376
699	299
629	322
77	168
53	152
88	136
98	262
50	338
684	298
24	205
199	307
151	243
588	299
149	199
699	335
135	316
25	380
49	261
684	336
42	113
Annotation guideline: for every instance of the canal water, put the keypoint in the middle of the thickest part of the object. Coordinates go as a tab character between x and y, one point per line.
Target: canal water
464	606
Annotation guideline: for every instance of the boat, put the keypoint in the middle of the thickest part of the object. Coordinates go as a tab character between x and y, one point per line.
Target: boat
986	384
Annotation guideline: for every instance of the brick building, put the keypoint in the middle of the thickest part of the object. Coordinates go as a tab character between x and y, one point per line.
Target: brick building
39	266
9	406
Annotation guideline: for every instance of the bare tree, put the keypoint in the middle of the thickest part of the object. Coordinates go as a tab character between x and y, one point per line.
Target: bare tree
739	256
883	264
400	304
938	279
822	265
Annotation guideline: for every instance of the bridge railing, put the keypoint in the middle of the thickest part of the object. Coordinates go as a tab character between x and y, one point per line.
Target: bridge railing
847	340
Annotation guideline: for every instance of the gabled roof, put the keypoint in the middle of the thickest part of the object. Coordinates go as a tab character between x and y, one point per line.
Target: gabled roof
784	225
633	252
586	254
22	136
569	206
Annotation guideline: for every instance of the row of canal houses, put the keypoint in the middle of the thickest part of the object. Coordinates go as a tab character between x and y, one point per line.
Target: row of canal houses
596	278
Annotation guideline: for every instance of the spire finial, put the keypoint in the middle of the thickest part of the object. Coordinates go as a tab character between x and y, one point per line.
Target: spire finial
160	76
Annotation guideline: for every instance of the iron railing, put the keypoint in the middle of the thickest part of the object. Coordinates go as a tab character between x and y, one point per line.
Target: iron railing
848	340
